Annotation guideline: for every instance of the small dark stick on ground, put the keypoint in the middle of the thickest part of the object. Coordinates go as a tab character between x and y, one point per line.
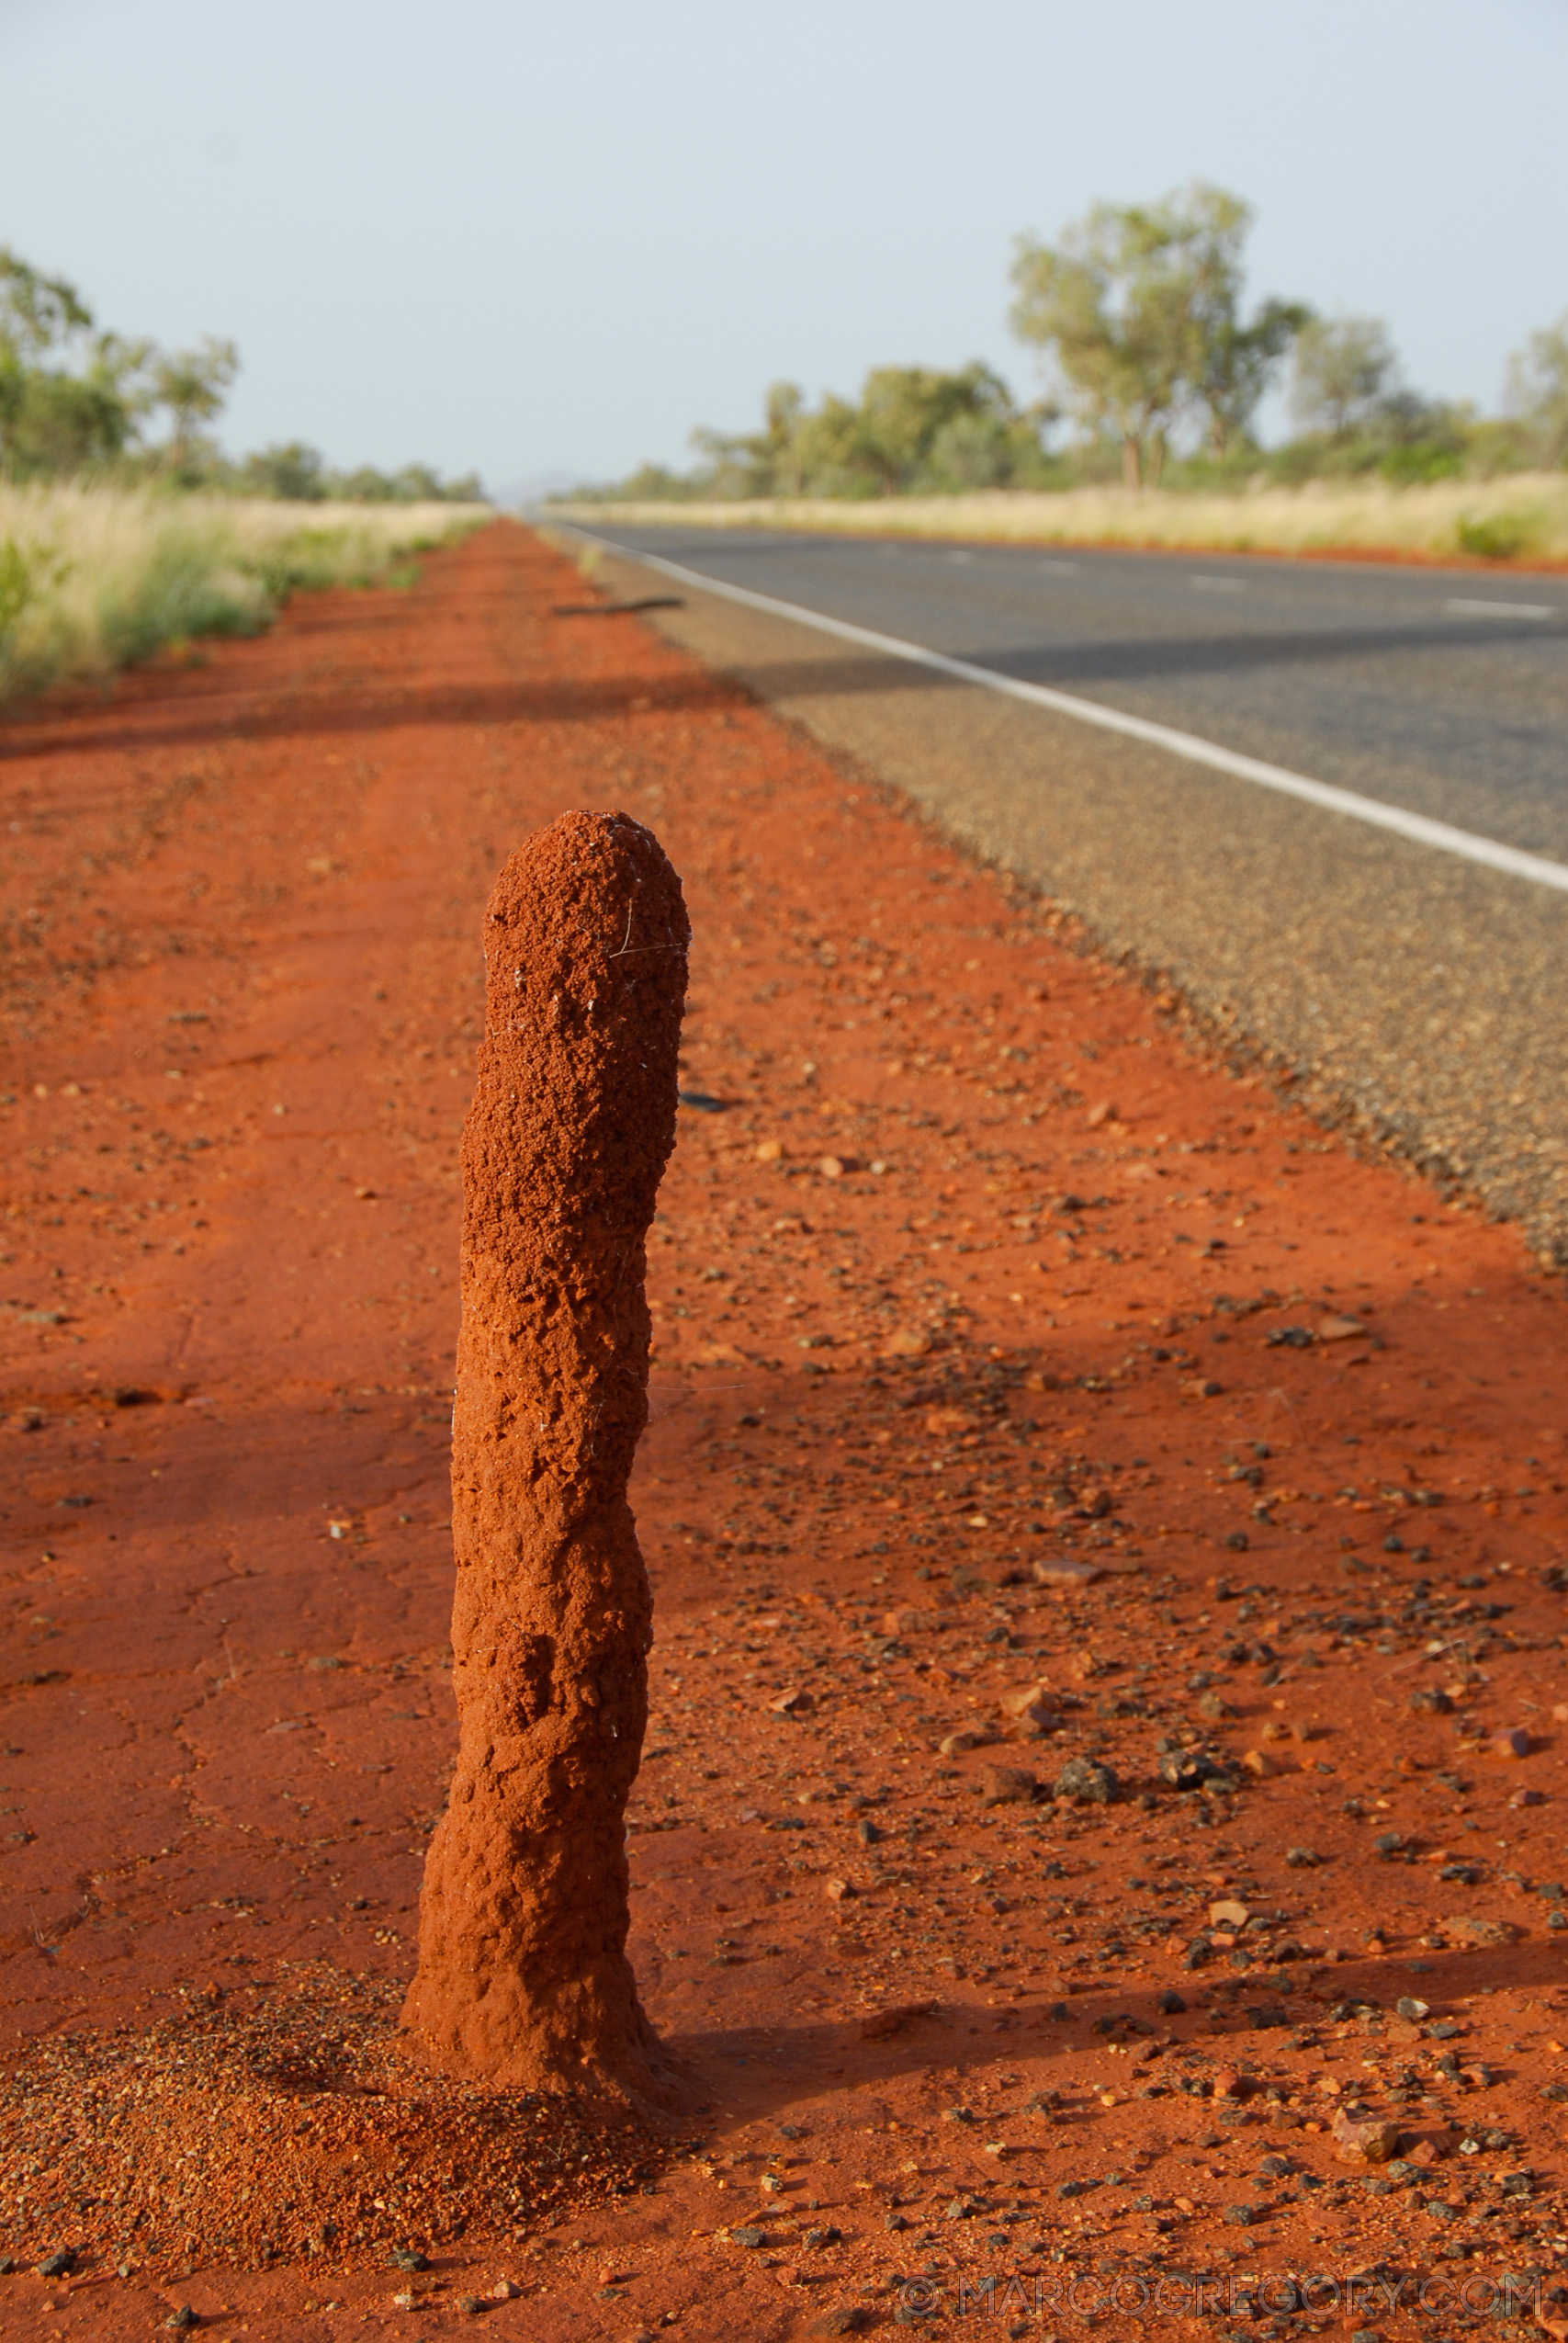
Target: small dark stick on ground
522	1974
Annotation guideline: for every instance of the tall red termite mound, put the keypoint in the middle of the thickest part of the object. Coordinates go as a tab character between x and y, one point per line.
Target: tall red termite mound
523	1975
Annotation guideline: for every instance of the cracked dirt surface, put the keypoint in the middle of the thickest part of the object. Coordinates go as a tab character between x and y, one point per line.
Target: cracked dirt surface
1032	1399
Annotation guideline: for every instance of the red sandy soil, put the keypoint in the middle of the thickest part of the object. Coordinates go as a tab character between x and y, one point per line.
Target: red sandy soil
975	1265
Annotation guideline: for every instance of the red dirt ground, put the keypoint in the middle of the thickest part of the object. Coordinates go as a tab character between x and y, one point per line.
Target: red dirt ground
972	1266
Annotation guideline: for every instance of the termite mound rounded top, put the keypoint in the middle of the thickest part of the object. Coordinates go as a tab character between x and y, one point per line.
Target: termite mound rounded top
586	950
585	894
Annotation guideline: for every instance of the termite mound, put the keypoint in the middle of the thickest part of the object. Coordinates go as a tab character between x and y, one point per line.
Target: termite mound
522	1974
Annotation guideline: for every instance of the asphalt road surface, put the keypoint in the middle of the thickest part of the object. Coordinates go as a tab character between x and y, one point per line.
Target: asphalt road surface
1409	986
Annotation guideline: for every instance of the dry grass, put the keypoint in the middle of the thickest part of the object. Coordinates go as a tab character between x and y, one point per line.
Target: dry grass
91	578
1518	520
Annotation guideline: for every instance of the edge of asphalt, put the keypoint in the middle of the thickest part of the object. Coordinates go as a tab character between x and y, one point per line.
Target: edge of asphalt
1400	989
1383	814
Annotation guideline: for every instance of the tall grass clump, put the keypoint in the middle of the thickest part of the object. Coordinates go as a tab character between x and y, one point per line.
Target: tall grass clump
92	578
1521	517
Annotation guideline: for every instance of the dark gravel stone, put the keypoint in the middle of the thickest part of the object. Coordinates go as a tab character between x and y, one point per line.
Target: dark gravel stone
1189	1768
1087	1782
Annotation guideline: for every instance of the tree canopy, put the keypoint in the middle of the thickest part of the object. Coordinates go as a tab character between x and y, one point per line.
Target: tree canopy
1344	371
68	394
1140	306
1538	391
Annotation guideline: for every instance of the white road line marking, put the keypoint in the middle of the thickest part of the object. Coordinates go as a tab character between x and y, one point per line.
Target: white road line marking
1217	585
1417	827
1504	609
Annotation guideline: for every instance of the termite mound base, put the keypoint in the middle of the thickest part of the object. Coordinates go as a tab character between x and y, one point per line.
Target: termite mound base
290	2122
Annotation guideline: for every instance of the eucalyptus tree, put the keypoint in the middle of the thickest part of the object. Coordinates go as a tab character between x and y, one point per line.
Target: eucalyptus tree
1140	307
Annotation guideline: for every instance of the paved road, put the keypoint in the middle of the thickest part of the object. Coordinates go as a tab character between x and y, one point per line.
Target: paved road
1419	993
1445	692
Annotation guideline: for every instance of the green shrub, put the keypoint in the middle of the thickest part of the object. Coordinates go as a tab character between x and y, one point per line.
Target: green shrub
181	593
1417	461
1494	537
16	584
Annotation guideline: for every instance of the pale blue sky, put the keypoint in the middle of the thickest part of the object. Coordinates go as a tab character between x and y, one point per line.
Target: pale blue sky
537	238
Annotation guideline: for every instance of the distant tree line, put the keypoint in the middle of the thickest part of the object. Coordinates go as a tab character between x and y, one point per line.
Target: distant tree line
302	474
1156	371
914	430
78	401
